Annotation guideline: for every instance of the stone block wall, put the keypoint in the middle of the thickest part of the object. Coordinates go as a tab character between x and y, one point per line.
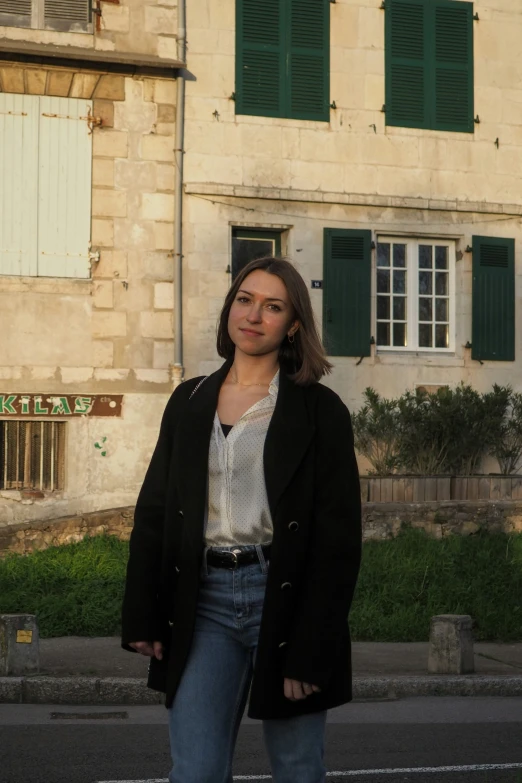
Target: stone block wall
380	521
137	26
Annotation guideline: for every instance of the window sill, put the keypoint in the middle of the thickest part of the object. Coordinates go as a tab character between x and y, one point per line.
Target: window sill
448	359
46	285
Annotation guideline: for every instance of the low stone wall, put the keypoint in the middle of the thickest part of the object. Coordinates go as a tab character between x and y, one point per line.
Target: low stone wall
439	519
380	521
29	536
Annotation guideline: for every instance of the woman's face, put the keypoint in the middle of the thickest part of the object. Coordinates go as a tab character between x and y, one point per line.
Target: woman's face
261	314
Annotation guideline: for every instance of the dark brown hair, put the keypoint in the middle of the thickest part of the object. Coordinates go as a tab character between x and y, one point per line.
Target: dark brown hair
304	358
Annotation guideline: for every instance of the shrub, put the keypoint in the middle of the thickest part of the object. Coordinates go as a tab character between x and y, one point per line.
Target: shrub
446	432
376	432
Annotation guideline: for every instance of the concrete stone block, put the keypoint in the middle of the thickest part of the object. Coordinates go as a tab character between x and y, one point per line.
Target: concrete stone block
166	112
102	232
109	203
165	91
163	354
102	353
19	645
115	18
157	148
148	89
165	176
137	235
158	325
103	294
10	690
35	81
83	85
134	114
108	324
113	376
134	297
112	263
43	373
60	690
110	144
157	265
103	172
105	111
157	206
12	79
152	376
163	296
59	83
76	374
167	46
160	20
111	88
127	690
451	645
135	175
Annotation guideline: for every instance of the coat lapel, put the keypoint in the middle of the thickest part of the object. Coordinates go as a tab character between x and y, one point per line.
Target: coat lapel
288	437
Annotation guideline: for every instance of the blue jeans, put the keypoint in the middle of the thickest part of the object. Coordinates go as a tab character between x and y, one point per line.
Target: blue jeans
207	710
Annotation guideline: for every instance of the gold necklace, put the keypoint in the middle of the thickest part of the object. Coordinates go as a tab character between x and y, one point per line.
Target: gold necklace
249	384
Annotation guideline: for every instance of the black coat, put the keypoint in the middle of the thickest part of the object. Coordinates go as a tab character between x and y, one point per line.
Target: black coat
312	479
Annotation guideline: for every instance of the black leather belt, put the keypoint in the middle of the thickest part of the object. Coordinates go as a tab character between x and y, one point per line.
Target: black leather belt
234	558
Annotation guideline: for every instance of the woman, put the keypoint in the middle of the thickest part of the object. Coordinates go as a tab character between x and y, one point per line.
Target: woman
246	542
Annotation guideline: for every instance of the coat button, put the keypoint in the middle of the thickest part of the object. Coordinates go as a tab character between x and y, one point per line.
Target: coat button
171	623
293	525
176	569
286	585
283	644
180	512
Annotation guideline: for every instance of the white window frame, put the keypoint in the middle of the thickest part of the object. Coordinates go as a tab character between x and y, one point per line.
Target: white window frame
412	292
36	20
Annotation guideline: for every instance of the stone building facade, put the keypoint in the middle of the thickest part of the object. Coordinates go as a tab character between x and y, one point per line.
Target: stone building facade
89	317
378	145
359	168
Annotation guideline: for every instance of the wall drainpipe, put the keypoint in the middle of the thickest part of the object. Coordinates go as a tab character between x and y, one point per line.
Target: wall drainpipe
177	369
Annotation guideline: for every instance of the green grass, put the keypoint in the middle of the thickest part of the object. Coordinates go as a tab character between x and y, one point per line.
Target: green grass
77	589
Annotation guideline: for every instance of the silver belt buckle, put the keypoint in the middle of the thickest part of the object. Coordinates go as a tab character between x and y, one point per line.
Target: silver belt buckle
234	554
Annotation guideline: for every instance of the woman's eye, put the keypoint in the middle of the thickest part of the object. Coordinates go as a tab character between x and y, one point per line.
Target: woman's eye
242	299
276	307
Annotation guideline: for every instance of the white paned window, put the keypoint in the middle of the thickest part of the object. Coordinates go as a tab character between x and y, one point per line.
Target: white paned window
45	188
415	291
72	16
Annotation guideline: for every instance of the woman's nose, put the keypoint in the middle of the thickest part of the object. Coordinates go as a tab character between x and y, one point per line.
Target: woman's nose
254	316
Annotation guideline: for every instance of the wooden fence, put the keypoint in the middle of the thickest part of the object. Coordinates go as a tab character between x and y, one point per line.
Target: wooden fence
422	489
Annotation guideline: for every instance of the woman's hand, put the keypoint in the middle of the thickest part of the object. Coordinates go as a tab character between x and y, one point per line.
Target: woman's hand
152	649
295	690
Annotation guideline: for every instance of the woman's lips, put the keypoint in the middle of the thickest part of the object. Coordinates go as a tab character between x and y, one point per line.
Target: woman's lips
252	332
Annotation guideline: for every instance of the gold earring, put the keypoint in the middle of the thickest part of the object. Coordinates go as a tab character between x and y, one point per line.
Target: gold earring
291	338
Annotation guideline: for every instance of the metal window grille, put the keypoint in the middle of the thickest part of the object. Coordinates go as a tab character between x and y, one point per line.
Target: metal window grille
32	455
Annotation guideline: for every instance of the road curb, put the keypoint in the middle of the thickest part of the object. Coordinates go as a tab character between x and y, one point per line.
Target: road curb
41	689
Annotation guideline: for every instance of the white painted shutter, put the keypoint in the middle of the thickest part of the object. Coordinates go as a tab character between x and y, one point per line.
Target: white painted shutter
64	193
19	118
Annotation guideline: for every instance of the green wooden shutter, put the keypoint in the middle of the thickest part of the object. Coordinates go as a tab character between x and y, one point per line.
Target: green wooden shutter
452	75
493	319
405	64
429	64
347	292
308	42
260	57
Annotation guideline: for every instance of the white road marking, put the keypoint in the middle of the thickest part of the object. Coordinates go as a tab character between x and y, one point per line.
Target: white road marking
352	773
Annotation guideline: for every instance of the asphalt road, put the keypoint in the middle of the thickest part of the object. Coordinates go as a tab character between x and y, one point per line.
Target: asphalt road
420	740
